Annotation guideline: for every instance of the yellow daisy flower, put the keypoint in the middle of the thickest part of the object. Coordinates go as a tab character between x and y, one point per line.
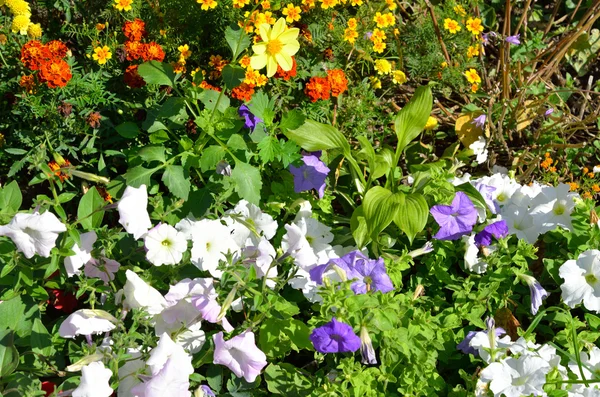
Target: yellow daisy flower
291	12
472	76
379	46
398	77
184	50
206	4
474	26
431	123
278	46
350	35
102	54
123	5
383	66
472	51
451	25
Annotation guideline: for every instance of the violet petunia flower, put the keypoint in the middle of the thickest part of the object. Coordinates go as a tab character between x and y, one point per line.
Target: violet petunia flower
513	39
311	175
335	337
488	196
455	220
250	120
549	112
206	391
240	354
538	293
479	121
497	229
465	345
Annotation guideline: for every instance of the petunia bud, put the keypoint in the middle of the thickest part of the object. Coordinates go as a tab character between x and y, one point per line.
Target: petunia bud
366	347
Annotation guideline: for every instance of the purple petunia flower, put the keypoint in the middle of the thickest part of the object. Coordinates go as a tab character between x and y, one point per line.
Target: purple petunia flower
455	220
311	175
538	293
465	345
487	194
335	337
549	112
250	120
370	274
497	229
207	391
486	37
513	39
479	121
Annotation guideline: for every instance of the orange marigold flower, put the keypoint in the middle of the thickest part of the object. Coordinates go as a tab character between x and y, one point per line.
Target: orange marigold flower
93	119
153	52
34	54
104	194
282	74
134	30
132	78
205	86
217	62
57	48
58	170
243	92
573	186
338	81
27	82
55	73
134	50
596	188
318	88
587	195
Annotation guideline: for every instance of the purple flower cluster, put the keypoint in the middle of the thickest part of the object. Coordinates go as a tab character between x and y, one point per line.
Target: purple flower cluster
455	220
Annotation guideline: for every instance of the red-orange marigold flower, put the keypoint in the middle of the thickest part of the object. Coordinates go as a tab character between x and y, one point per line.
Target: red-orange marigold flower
282	74
55	73
318	88
338	81
57	169
27	82
243	92
134	30
153	52
134	50
205	86
57	48
34	54
132	77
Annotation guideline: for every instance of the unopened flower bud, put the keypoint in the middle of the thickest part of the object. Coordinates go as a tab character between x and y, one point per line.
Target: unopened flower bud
420	290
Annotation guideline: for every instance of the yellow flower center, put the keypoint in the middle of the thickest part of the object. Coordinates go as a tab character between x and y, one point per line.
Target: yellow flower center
274	47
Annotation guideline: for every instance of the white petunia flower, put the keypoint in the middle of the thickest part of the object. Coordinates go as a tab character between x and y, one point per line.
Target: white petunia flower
240	354
582	280
505	187
590	366
164	245
133	211
307	241
127	378
34	233
74	263
87	322
102	268
513	377
138	294
263	224
520	223
211	241
485	342
472	261
479	150
95	381
552	207
262	256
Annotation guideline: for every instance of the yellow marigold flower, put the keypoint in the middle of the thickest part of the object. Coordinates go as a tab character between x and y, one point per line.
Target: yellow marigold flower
379	46
352	23
383	66
391	4
102	54
19	7
472	76
389	19
245	62
20	24
325	4
163	32
356	3
573	186
460	10
261	80
444	64
472	51
3	39
379	20
123	5
184	50
308	3
277	48
292	13
34	31
240	3
586	195
100	27
265	5
178	67
474	88
206	4
474	26
431	123
350	35
398	77
378	35
596	188
451	25
375	82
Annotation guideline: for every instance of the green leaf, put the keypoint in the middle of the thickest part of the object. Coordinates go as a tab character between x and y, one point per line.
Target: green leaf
139	175
174	178
236	142
412	118
292	120
128	129
247	182
11	198
17	314
369	152
214	100
473	194
380	207
263	107
9	356
411	217
286	379
383	163
268	148
154	72
358	226
41	342
233	76
237	39
88	211
313	136
152	153
210	157
15	151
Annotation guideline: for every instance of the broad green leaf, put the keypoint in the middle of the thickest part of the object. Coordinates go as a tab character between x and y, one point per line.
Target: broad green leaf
139	175
174	178
287	380
247	182
233	76
263	107
214	100
17	314
369	152
210	157
411	217
412	118
292	120
88	211
152	153
128	129
237	39
10	198
41	342
154	72
380	207
313	136
383	163
9	356
358	225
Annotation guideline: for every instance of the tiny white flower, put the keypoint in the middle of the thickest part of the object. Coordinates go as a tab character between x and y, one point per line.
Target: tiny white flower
211	241
74	263
138	294
582	280
164	245
34	233
86	322
133	211
95	381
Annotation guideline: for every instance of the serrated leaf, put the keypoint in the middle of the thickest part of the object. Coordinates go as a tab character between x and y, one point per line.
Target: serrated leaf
139	175
154	72
88	211
267	149
247	182
210	157
176	181
292	120
152	153
214	100
411	217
